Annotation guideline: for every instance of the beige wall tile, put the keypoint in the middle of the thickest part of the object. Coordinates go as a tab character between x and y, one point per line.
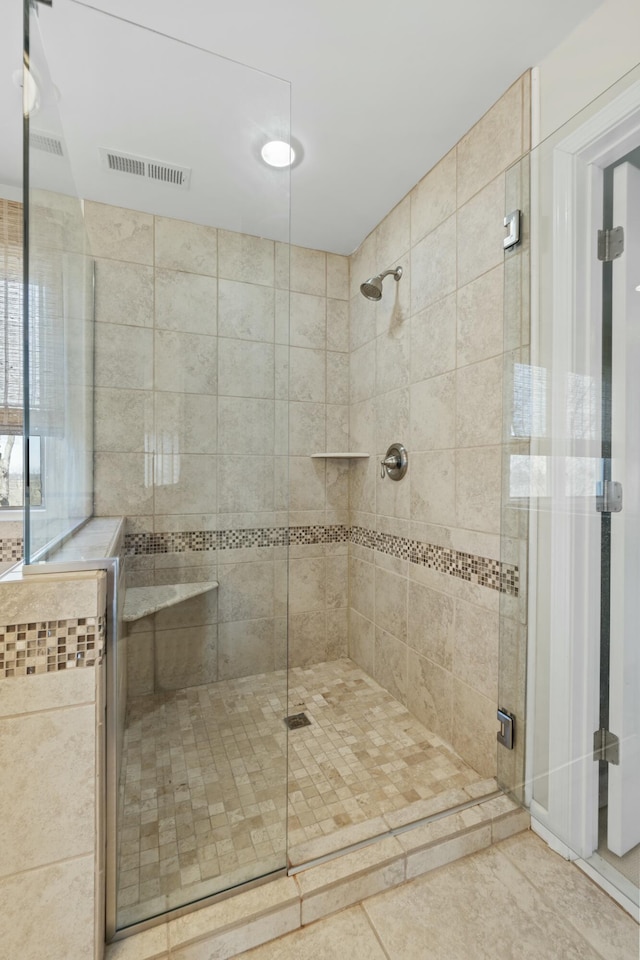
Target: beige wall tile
433	200
235	358
30	745
361	585
362	322
479	403
123	484
430	694
431	630
308	271
394	235
47	691
307	374
338	325
124	293
476	648
307	320
246	311
307	585
433	340
282	265
246	425
433	266
123	420
245	647
140	660
480	232
481	318
391	603
57	932
124	357
477	488
119	234
184	483
492	145
474	732
186	422
337	277
337	427
180	245
193	612
390	664
185	302
433	487
337	377
307	638
246	592
306	429
306	483
392	359
184	362
256	491
363	372
433	412
185	657
361	641
245	258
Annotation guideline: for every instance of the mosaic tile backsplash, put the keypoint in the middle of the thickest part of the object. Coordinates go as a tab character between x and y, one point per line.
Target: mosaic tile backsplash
11	549
483	571
48	646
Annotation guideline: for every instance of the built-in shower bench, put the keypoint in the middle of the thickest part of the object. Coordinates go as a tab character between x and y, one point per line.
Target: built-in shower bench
142	601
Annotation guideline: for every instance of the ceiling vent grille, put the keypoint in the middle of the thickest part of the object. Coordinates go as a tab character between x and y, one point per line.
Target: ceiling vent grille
131	165
46	142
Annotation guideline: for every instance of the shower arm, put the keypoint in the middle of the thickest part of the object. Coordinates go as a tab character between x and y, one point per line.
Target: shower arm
396	274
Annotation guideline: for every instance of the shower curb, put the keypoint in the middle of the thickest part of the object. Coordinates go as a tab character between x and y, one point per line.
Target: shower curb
232	926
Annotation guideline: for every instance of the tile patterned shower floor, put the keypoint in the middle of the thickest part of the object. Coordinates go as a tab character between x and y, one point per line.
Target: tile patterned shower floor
203	772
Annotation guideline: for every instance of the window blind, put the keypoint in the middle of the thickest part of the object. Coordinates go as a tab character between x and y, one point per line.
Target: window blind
11	286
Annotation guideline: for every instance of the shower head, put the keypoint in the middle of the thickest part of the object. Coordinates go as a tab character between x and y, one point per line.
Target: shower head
372	288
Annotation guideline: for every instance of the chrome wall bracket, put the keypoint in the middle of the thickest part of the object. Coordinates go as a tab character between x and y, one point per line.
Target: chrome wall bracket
395	462
512	221
507	728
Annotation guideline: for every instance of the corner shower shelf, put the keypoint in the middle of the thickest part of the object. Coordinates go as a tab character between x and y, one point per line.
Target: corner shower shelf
331	455
142	601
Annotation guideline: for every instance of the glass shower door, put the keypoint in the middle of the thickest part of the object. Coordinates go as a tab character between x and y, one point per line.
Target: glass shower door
157	157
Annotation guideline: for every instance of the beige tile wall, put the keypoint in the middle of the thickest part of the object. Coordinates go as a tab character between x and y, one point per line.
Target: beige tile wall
52	815
427	370
217	354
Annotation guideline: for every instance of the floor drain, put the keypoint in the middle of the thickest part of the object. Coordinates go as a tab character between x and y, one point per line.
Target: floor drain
297	720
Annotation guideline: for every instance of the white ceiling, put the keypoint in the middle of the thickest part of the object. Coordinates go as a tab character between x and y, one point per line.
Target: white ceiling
378	94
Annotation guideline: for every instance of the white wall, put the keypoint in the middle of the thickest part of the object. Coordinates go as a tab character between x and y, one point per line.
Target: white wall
598	53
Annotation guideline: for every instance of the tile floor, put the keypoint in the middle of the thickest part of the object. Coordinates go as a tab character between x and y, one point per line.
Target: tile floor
516	900
203	802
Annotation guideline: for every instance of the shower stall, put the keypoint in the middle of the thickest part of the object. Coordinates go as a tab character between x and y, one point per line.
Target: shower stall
303	655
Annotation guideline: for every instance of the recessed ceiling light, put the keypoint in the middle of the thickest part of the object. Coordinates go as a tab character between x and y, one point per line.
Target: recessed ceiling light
277	153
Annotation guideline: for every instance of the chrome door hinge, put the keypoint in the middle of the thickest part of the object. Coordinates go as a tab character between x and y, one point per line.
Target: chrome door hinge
610	244
507	728
609	497
606	746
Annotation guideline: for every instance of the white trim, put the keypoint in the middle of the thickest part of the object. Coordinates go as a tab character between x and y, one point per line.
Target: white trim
535	106
578	160
551	840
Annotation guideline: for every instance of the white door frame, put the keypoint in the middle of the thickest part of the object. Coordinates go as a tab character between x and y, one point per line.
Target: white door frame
578	162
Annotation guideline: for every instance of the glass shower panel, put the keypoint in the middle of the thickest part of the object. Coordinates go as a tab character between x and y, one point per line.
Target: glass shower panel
189	232
58	359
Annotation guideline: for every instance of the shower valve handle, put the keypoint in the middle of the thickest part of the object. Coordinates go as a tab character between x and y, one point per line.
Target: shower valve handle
395	462
389	463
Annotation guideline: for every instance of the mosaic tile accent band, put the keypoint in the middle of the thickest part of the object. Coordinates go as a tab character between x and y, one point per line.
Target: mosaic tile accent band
485	572
138	544
10	549
48	646
465	566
